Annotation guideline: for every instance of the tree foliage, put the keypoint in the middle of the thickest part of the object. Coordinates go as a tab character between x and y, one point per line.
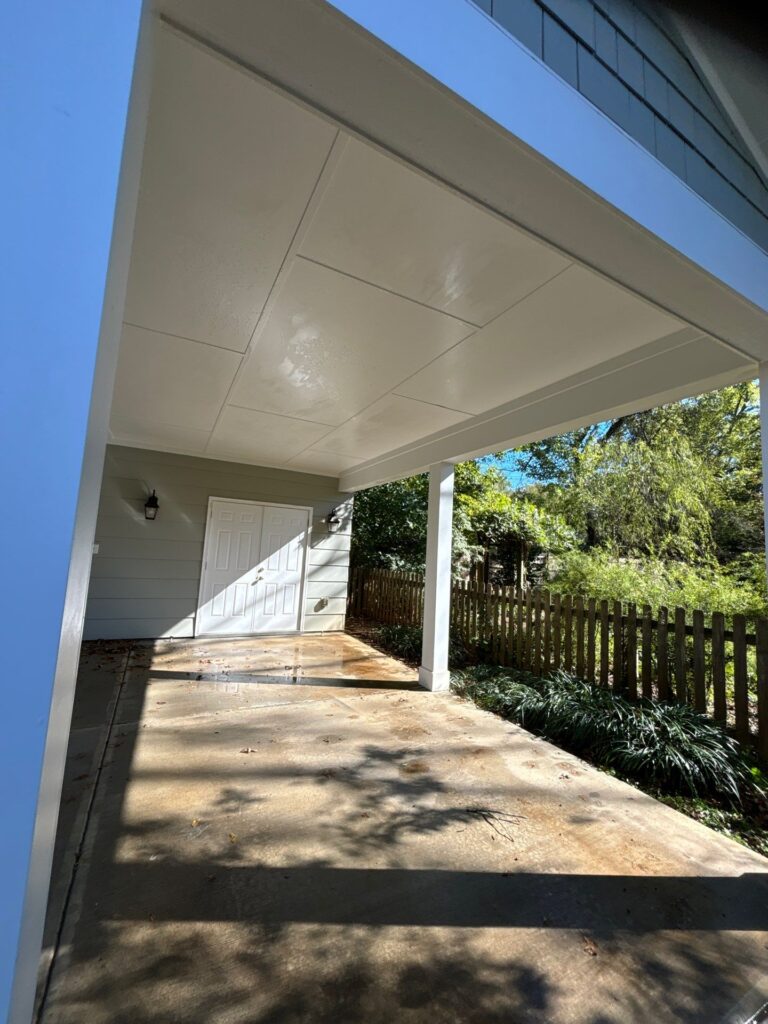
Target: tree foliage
682	481
663	507
390	521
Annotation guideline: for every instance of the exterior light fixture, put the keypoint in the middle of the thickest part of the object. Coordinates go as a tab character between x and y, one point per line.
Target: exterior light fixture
151	505
333	522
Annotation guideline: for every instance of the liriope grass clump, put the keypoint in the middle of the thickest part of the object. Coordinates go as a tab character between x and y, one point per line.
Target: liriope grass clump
669	747
405	642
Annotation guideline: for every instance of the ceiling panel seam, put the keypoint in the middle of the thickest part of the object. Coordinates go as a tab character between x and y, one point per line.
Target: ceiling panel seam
333	155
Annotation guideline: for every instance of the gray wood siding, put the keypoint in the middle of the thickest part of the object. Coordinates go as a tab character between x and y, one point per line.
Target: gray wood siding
146	575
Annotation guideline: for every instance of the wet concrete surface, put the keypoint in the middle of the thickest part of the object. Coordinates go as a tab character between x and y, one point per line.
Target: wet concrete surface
275	840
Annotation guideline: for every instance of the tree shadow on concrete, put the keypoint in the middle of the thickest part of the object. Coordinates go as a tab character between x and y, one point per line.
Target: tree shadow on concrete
224	934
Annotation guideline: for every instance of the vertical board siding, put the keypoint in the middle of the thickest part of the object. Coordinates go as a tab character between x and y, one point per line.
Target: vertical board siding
146	575
721	672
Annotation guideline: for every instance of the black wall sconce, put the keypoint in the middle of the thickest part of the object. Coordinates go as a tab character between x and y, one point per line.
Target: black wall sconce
151	505
333	520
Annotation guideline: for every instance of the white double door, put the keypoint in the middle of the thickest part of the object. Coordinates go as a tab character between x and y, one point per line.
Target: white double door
253	568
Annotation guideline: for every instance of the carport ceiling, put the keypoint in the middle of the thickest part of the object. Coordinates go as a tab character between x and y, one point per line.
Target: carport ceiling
298	298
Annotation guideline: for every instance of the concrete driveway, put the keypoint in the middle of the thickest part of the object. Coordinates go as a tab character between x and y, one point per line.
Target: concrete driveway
271	839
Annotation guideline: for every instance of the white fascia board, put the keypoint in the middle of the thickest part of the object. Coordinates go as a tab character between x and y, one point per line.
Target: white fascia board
473	56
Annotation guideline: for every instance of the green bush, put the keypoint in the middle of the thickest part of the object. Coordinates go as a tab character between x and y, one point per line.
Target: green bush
598	573
405	642
667	746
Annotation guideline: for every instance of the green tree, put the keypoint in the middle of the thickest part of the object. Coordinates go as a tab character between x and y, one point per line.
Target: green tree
390	521
681	481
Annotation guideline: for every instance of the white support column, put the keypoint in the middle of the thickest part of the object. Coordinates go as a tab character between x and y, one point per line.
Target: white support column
764	441
433	673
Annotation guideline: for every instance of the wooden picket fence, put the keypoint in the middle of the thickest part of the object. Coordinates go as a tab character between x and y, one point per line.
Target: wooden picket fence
666	655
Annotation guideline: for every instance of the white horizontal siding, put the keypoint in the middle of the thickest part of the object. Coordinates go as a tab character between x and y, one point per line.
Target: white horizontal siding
146	575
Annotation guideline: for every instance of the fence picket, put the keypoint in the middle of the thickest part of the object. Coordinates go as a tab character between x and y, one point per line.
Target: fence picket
580	637
618	649
718	667
699	679
662	655
681	657
497	624
556	630
547	632
509	657
527	660
740	691
520	648
631	649
538	633
568	633
604	640
591	639
646	657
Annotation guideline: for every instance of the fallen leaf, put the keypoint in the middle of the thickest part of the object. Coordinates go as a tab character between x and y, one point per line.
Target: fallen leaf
590	946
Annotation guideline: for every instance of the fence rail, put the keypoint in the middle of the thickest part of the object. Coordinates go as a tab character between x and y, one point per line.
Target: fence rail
670	655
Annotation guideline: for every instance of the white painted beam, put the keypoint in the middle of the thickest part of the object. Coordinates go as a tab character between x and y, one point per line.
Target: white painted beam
433	674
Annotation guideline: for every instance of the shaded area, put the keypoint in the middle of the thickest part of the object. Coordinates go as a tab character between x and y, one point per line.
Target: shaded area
286	680
320	894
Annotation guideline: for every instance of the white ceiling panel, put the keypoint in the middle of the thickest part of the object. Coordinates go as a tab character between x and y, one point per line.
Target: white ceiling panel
313	461
299	298
331	345
570	324
261	436
387	424
390	225
170	380
229	167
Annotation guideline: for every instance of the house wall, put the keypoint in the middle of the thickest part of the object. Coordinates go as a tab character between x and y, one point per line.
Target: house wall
636	72
146	575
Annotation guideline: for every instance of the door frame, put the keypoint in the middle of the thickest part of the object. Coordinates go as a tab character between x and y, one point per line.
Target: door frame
309	509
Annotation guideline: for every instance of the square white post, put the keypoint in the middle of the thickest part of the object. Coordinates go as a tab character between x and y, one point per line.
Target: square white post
433	674
764	443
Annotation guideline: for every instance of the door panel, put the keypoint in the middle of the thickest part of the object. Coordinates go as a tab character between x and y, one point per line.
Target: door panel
283	541
233	535
255	557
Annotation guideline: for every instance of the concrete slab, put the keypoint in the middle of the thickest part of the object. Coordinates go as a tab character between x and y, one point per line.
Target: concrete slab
102	668
282	850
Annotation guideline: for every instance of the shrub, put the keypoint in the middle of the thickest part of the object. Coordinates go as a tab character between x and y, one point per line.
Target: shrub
668	746
405	642
598	573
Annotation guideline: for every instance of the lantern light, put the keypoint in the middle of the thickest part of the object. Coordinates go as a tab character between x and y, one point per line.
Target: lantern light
151	505
333	521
